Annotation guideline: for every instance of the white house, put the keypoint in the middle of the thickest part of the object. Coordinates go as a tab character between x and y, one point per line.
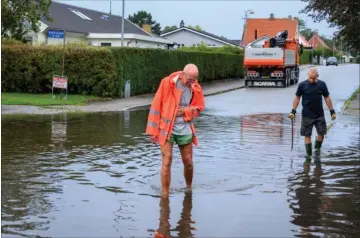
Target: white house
185	36
92	28
258	43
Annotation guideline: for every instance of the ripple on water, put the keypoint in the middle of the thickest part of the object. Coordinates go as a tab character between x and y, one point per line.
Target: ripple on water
248	156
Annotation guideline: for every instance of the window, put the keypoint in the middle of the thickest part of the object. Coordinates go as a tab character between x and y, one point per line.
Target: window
105	17
80	14
105	44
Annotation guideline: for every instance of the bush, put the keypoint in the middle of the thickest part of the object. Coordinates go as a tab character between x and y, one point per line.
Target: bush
146	67
102	71
30	69
306	57
205	48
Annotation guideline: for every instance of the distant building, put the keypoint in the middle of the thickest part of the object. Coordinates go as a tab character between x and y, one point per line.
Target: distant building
93	28
185	36
316	41
257	30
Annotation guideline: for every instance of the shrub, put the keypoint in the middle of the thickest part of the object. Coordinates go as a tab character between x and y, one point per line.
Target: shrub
146	67
102	71
30	69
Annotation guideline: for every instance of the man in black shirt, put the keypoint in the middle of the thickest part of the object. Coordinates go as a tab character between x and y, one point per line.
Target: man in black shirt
312	91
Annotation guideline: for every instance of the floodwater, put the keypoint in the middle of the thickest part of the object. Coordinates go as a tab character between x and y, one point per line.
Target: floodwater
97	175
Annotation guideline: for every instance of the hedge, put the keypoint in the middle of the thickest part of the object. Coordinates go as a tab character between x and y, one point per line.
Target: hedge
146	67
103	71
30	69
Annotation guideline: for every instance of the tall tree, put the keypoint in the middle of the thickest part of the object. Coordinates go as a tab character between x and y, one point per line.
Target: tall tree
343	14
143	17
304	30
168	29
196	27
20	16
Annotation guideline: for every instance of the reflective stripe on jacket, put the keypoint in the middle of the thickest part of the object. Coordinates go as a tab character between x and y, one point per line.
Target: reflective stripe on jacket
165	105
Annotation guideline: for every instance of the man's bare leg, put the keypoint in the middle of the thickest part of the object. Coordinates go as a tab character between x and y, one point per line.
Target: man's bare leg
187	158
166	151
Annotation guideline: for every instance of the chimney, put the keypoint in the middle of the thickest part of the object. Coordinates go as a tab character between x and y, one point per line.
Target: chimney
182	24
272	16
147	28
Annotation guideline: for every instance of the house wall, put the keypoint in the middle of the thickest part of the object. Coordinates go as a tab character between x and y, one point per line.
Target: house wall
189	39
128	43
71	37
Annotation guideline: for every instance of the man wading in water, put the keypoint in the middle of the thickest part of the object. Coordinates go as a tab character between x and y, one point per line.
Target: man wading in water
178	100
311	92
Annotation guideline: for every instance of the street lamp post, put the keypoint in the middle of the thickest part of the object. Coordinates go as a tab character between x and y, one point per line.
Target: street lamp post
122	23
245	18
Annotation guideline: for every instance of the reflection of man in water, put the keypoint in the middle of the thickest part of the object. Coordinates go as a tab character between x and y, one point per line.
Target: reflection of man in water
311	92
184	224
308	204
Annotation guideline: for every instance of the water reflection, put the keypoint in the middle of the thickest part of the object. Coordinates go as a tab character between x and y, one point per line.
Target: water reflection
82	165
326	202
184	226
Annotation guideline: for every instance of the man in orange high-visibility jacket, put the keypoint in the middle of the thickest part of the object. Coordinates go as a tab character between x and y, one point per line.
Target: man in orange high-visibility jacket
177	102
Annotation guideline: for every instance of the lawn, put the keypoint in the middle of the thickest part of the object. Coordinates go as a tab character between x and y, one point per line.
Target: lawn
46	99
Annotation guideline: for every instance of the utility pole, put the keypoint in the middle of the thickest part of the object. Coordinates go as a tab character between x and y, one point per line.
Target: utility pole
110	7
122	23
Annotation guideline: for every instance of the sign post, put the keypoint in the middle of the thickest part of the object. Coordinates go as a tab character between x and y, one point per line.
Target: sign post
59	81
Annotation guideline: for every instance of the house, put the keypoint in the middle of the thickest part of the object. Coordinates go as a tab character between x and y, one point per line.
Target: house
258	43
262	28
93	28
185	36
303	41
316	41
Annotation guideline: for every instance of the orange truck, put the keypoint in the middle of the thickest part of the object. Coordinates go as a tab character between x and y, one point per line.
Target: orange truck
274	65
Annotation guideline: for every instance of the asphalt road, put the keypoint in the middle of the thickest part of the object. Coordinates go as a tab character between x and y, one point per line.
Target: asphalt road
342	81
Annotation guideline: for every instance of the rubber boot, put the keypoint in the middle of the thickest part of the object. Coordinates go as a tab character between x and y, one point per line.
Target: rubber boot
308	149
318	144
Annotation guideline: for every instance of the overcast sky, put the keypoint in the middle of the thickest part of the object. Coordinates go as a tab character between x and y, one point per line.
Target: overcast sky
223	18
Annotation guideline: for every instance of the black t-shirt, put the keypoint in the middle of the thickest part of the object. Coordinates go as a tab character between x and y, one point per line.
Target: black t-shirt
311	94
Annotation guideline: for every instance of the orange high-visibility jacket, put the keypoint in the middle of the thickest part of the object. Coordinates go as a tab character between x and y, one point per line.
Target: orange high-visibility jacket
165	105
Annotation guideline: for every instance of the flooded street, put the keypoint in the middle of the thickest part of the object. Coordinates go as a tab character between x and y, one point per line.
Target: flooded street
97	175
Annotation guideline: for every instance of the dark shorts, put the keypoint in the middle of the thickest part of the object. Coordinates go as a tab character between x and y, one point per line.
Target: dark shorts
308	123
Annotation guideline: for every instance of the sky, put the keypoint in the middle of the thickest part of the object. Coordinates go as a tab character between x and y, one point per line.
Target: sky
222	18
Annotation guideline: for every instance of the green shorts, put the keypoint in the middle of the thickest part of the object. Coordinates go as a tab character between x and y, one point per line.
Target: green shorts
181	139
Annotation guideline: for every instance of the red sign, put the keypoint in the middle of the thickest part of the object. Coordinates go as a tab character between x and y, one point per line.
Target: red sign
60	82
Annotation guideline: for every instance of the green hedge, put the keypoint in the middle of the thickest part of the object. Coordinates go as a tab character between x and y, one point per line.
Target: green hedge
103	71
146	67
30	69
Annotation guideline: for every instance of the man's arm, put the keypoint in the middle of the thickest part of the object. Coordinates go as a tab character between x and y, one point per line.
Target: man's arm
152	127
329	103
296	102
197	104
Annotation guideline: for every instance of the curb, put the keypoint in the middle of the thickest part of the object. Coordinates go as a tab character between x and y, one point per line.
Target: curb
144	106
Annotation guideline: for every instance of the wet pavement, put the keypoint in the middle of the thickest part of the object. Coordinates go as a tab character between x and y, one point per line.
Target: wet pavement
97	175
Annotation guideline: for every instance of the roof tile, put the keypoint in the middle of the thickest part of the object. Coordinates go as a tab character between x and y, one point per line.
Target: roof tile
269	27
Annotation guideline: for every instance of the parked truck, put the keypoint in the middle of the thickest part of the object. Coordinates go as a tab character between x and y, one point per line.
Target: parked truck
274	65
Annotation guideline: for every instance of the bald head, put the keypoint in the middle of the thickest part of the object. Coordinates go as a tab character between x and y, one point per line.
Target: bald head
313	74
191	74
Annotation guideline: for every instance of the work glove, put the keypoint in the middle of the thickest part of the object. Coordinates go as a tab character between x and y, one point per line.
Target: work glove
333	115
292	114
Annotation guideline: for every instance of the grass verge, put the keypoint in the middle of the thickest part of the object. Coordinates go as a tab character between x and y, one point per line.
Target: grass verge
351	98
46	99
